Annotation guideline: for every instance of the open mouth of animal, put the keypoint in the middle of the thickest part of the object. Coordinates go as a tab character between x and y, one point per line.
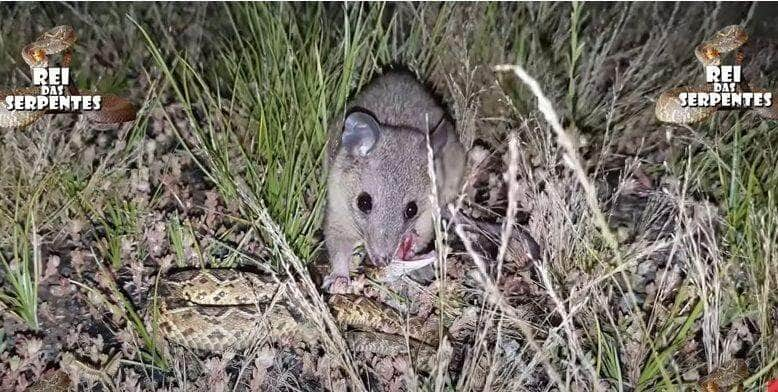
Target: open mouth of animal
405	250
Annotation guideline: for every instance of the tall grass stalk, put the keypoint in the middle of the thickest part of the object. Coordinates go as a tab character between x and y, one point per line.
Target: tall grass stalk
22	264
22	270
576	50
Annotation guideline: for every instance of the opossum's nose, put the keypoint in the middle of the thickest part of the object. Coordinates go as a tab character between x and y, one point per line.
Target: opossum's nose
378	257
381	247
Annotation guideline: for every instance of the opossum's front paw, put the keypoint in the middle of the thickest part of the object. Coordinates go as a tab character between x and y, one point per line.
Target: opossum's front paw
336	284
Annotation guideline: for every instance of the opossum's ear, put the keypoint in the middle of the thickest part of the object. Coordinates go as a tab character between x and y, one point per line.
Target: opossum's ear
439	135
360	133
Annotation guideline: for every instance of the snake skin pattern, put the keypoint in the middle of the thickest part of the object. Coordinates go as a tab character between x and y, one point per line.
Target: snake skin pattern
57	40
727	40
222	309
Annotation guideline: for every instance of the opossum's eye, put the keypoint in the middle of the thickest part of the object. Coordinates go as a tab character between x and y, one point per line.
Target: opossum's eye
364	202
410	210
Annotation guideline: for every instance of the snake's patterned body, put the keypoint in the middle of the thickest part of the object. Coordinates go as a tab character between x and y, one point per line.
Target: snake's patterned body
222	309
218	310
60	39
728	40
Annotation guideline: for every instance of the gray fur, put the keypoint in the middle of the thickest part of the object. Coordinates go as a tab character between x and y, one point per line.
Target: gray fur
394	171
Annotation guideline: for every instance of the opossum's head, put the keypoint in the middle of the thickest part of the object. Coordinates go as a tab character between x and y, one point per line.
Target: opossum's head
384	174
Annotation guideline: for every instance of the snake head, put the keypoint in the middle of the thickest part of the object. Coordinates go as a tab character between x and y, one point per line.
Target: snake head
724	41
39	55
669	106
708	55
35	56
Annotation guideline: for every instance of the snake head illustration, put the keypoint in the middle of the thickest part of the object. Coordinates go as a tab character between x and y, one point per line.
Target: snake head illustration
729	40
57	40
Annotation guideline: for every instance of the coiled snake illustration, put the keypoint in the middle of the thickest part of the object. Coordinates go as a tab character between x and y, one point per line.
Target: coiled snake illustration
727	40
60	39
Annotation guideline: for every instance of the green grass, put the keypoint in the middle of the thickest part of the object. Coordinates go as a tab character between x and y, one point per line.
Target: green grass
259	115
22	266
737	168
116	303
178	235
26	211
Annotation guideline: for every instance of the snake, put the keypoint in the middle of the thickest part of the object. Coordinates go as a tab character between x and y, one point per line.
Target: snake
36	54
224	309
219	310
227	309
725	42
215	310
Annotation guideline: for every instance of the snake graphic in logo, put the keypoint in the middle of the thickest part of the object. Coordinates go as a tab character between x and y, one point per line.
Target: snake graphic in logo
726	87
54	90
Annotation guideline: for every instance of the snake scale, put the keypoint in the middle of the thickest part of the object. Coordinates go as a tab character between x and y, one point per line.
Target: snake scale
57	40
223	309
728	40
